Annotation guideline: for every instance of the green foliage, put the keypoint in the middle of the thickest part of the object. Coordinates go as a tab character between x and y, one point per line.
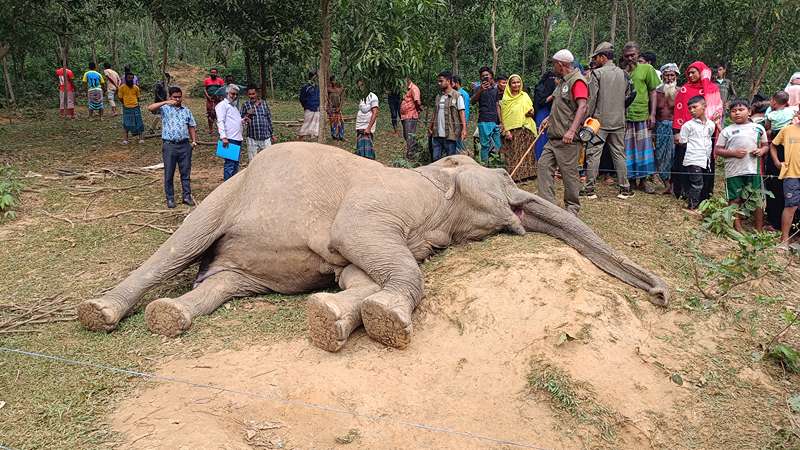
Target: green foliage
496	160
10	190
787	356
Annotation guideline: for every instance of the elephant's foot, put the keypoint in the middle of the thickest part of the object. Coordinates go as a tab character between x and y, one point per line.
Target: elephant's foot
387	319
331	319
99	314
167	317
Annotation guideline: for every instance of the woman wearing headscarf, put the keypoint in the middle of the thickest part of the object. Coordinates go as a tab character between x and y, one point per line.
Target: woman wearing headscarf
517	128
793	89
543	101
698	82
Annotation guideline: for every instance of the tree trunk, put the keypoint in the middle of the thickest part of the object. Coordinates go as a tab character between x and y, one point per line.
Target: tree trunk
546	41
494	41
63	41
248	65
324	65
9	89
94	52
593	44
262	72
572	29
164	53
524	35
755	84
271	83
630	16
613	31
454	55
114	46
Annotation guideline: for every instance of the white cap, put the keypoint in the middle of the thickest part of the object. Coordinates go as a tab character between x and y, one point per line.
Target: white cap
564	56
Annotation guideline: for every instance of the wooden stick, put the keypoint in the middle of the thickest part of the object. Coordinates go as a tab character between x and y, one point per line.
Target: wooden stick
59	218
525	155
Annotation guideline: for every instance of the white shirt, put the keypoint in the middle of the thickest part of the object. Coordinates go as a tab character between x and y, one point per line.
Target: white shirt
698	137
229	120
365	112
746	136
443	106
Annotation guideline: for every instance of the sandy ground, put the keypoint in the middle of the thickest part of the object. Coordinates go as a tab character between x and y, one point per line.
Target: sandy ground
477	337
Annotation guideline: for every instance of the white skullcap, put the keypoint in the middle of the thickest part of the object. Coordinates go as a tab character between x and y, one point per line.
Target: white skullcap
564	56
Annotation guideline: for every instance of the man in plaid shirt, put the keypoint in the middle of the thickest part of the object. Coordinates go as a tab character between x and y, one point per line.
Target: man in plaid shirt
256	114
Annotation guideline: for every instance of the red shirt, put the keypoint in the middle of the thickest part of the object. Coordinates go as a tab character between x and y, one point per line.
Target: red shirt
580	90
209	82
408	107
70	77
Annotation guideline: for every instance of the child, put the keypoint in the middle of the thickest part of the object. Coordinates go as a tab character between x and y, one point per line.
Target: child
698	135
742	144
789	138
779	114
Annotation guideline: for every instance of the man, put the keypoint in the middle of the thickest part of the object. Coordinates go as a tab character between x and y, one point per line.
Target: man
726	89
410	108
160	88
561	151
309	99
229	125
488	116
665	107
457	85
94	82
640	118
335	119
649	58
211	84
448	123
66	102
178	136
502	82
610	87
257	116
114	82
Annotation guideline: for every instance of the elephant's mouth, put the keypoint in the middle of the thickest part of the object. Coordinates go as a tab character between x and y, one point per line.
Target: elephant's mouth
518	211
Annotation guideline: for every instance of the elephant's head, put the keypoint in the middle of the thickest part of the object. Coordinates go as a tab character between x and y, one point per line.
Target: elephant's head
484	201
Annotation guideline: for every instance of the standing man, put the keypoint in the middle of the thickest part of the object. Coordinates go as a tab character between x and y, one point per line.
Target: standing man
410	108
488	117
640	118
179	137
335	119
229	125
561	150
66	103
309	99
611	87
114	82
211	84
448	124
665	108
457	85
94	90
726	89
393	99
257	116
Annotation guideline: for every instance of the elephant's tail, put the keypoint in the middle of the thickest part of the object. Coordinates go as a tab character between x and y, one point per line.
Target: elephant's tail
198	232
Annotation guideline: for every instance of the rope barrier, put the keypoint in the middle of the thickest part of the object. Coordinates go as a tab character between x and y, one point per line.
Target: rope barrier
298	403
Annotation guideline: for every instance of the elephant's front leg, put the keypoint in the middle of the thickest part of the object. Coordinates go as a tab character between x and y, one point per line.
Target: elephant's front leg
332	317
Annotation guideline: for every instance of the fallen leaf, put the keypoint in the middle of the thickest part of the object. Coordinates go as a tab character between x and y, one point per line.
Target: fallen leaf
564	337
677	379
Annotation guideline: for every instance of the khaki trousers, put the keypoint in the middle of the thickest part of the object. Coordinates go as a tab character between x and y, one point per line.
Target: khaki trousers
557	154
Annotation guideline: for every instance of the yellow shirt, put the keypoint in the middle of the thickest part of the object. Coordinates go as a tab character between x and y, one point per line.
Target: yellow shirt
789	137
128	95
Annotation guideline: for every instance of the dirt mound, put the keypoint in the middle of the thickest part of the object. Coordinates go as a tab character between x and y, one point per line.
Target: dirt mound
544	351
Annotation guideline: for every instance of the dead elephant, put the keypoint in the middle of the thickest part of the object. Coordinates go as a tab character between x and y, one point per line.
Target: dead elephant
304	215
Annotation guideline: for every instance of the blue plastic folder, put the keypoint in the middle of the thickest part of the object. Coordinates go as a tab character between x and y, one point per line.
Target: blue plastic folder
229	152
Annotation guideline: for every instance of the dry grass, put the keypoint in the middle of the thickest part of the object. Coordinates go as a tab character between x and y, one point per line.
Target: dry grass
50	405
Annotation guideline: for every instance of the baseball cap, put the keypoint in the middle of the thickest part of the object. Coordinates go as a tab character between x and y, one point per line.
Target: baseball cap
602	48
564	56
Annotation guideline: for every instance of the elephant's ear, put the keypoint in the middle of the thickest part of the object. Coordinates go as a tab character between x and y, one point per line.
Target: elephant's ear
443	173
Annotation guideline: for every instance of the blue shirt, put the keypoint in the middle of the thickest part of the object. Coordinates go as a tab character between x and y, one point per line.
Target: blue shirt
309	97
93	79
465	94
175	122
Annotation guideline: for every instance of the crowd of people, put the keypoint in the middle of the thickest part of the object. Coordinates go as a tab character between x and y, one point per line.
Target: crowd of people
621	118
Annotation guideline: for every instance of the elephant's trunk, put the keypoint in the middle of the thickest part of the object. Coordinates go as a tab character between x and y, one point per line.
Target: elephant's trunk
542	216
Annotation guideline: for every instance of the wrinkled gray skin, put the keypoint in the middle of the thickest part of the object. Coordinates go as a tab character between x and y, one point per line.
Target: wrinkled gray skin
304	216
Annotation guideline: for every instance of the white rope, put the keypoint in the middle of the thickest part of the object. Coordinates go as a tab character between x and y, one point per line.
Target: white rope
314	406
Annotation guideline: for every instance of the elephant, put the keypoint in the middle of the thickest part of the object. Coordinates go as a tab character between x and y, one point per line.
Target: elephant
305	216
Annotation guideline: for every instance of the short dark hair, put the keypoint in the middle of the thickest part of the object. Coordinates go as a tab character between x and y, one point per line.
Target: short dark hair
722	65
739	102
650	57
781	97
106	65
214	69
446	74
486	69
456	79
696	99
501	77
249	87
174	89
92	66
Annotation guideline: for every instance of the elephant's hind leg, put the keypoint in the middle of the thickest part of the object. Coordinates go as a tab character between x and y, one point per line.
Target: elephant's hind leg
332	317
387	318
172	316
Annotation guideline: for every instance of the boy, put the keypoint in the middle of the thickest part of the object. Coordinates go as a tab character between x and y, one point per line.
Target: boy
742	144
789	137
779	114
698	135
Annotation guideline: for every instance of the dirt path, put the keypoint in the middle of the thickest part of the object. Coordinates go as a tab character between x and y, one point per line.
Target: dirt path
478	338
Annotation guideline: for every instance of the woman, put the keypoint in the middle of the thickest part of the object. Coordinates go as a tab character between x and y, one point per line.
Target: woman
543	101
698	82
793	89
518	129
366	117
132	122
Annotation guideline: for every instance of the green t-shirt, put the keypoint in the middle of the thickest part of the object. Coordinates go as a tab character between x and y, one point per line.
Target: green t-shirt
645	79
